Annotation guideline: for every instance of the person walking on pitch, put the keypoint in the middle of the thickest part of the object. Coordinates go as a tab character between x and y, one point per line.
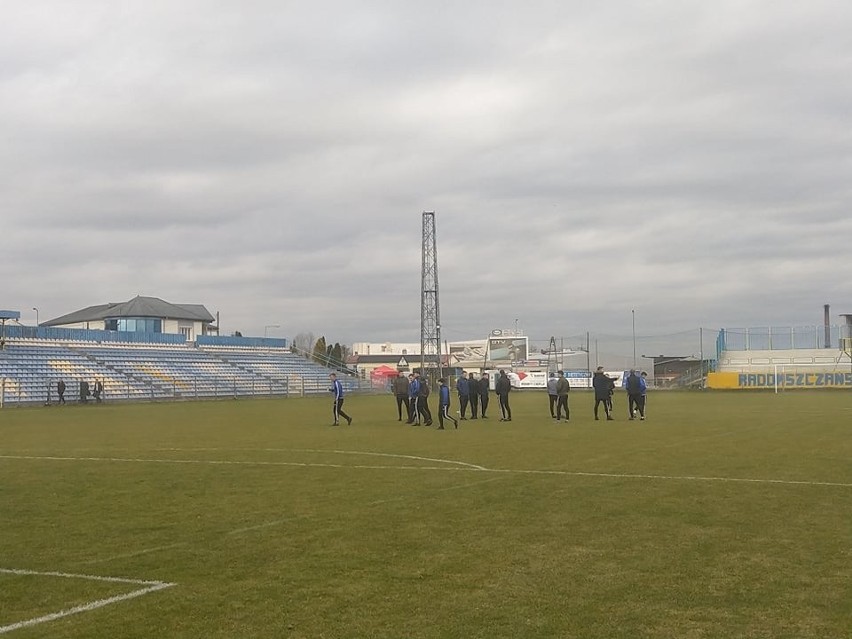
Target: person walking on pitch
444	405
503	387
484	389
644	394
337	406
552	395
473	393
413	391
634	384
423	401
400	391
603	391
562	390
463	388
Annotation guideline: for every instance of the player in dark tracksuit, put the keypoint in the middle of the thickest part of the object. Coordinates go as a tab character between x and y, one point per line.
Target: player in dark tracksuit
484	389
337	406
444	405
603	391
503	387
562	390
463	388
634	385
423	401
413	390
473	393
400	391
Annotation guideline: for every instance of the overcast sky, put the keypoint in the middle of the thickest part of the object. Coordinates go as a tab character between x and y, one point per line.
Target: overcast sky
687	160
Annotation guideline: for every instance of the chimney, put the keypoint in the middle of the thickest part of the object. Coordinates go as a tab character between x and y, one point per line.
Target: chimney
827	327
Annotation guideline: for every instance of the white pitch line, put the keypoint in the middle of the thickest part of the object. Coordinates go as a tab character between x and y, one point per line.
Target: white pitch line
336	452
150	586
394	455
137	553
268	524
473	469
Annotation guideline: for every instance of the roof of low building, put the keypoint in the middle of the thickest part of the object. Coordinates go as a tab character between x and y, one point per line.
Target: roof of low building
139	306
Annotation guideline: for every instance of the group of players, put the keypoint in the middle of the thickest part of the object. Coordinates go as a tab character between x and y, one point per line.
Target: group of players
604	386
412	397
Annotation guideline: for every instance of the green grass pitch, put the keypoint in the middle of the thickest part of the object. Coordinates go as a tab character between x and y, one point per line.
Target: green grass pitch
722	515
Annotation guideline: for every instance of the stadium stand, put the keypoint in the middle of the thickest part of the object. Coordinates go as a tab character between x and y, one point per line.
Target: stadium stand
30	369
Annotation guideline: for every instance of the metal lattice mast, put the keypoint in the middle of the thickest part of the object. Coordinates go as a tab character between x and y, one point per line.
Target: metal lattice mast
430	317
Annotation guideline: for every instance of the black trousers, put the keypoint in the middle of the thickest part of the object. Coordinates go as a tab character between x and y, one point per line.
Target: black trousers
464	400
635	401
401	400
562	402
483	403
444	412
474	405
552	399
337	410
505	409
423	409
598	402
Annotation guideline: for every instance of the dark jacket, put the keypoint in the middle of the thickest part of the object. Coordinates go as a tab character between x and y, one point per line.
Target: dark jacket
463	386
602	385
503	385
400	385
472	386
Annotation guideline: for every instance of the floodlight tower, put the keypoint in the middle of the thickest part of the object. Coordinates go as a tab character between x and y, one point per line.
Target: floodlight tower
430	316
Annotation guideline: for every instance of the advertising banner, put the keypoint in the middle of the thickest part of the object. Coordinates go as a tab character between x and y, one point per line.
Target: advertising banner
505	351
781	380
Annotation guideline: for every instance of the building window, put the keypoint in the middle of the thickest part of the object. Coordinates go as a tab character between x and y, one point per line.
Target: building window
134	325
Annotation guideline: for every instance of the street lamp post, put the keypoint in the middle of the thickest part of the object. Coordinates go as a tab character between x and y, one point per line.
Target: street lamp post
633	316
36	310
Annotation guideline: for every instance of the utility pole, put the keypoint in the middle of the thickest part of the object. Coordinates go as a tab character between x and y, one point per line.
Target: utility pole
430	316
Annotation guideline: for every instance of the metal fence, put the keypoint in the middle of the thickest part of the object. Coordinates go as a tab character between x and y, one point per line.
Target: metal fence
768	338
45	391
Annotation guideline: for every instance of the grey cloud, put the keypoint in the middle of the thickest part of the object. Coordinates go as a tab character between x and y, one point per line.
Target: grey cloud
271	160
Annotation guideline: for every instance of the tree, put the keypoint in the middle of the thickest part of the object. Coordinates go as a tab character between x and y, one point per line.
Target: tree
320	354
303	342
337	355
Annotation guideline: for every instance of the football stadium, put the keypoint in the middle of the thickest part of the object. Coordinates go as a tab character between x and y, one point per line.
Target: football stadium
164	508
